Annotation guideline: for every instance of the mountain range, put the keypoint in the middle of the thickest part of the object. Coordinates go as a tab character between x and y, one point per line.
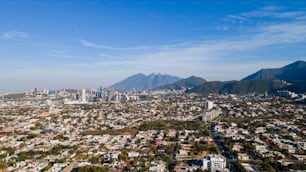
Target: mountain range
291	77
237	87
140	82
187	83
294	72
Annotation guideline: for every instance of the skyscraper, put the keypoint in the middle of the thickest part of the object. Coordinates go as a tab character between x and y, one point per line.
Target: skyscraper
83	95
209	105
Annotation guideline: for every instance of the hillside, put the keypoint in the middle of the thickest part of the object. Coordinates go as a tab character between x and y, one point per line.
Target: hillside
189	82
237	87
141	82
294	72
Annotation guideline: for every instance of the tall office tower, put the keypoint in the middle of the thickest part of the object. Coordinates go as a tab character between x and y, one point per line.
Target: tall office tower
99	92
35	91
209	105
117	96
104	94
83	95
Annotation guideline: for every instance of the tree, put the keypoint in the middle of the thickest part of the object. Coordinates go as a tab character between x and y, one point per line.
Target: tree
46	168
2	156
3	165
92	169
240	167
266	166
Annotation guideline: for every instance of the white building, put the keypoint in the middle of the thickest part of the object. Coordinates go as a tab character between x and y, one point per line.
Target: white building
83	95
209	116
209	105
214	162
157	167
133	154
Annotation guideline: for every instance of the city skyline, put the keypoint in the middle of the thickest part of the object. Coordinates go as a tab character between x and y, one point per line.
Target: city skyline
78	44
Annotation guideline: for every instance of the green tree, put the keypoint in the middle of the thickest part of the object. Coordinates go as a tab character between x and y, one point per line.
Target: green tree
46	168
92	169
3	165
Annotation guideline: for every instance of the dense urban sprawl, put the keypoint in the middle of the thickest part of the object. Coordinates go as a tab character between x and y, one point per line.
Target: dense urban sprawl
105	130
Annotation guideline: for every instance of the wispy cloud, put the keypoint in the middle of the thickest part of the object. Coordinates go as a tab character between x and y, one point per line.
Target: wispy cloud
274	12
283	33
198	57
60	54
13	35
236	17
101	46
273	34
105	58
105	55
93	45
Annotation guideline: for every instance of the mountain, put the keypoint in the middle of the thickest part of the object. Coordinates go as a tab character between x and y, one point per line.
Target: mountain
237	87
189	82
141	82
292	73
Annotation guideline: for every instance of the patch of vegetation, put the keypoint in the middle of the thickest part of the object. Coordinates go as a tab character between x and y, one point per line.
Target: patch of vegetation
199	147
176	125
46	168
3	165
92	169
110	132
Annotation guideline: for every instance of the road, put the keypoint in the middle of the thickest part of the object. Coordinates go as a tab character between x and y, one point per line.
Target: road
224	150
173	156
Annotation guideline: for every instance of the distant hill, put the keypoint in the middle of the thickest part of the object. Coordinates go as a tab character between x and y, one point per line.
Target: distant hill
141	82
189	82
237	87
293	73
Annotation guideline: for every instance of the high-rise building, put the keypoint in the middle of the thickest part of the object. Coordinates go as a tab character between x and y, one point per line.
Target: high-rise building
83	95
209	105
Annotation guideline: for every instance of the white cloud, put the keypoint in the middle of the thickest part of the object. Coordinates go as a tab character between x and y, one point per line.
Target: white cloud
236	17
285	33
271	12
217	59
14	35
205	58
224	59
60	54
93	45
105	55
101	46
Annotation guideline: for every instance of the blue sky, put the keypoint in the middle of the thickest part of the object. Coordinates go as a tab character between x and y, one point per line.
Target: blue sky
84	44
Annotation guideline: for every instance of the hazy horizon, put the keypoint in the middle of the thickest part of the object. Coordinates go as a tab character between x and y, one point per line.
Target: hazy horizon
85	44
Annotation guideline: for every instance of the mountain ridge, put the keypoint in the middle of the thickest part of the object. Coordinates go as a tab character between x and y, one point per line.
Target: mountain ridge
184	83
237	87
294	72
140	82
268	79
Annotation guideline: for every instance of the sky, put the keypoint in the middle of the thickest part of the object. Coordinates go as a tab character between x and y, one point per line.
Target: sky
85	44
